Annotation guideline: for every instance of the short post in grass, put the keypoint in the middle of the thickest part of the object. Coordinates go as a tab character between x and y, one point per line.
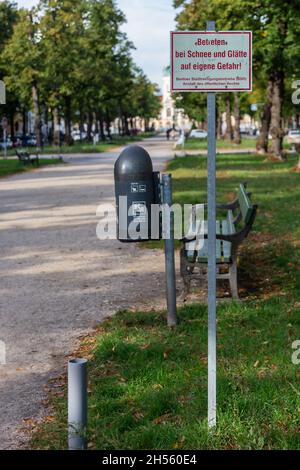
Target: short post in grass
77	404
168	228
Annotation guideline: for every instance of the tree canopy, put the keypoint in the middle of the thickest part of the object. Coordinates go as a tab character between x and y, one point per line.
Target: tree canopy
72	60
276	59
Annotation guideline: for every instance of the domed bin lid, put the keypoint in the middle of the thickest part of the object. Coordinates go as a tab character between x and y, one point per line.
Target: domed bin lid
133	163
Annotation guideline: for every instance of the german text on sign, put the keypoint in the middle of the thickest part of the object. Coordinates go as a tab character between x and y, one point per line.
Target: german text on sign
211	61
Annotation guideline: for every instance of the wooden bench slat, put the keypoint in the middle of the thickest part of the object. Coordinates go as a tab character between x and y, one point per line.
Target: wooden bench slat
245	204
230	223
226	230
197	250
203	253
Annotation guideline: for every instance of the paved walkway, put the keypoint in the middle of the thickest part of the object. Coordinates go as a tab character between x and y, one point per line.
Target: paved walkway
57	280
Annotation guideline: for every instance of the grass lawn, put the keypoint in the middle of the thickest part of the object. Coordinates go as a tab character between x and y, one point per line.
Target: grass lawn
89	147
9	167
199	144
148	384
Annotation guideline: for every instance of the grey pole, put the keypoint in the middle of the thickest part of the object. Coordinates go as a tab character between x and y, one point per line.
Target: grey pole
77	404
5	143
169	250
211	190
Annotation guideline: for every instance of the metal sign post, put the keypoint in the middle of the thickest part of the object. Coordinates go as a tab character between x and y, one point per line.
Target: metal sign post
169	251
211	193
5	143
211	61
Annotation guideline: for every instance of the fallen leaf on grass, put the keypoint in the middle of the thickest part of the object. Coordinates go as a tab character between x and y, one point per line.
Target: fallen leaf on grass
162	419
157	386
138	415
179	445
262	373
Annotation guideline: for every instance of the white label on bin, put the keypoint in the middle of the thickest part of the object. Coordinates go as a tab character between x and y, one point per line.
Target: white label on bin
134	187
139	211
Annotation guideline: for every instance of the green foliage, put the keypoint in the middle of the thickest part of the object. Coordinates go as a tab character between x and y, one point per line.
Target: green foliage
10	167
8	18
24	57
78	59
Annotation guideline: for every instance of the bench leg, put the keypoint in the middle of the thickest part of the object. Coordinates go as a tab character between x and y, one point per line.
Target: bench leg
184	275
233	280
186	288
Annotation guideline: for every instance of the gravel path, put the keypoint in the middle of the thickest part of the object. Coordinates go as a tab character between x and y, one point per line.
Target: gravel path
57	280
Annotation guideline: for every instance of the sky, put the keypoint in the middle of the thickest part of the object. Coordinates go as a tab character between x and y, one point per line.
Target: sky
149	23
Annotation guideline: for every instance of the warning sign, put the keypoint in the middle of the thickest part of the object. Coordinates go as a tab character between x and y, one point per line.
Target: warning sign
211	61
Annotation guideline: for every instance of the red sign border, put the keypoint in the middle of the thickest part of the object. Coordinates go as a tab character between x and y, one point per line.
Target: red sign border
207	90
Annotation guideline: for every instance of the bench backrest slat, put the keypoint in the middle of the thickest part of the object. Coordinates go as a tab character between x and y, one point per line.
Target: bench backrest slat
246	205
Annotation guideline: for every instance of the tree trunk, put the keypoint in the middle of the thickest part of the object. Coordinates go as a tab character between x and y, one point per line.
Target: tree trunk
276	130
56	127
108	125
89	128
228	133
219	120
126	127
101	126
237	118
81	126
12	125
68	121
297	167
37	122
147	122
96	120
46	129
24	119
219	126
263	139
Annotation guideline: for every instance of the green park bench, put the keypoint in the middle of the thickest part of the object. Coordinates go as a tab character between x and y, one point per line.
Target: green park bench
230	233
27	158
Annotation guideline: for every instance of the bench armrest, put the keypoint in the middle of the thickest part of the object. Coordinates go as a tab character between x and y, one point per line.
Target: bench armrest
226	206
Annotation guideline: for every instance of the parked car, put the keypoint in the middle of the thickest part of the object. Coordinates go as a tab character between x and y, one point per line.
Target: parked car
198	134
18	141
28	140
31	140
293	136
77	137
9	143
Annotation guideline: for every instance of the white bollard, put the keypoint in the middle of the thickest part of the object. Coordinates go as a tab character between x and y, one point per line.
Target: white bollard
77	404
